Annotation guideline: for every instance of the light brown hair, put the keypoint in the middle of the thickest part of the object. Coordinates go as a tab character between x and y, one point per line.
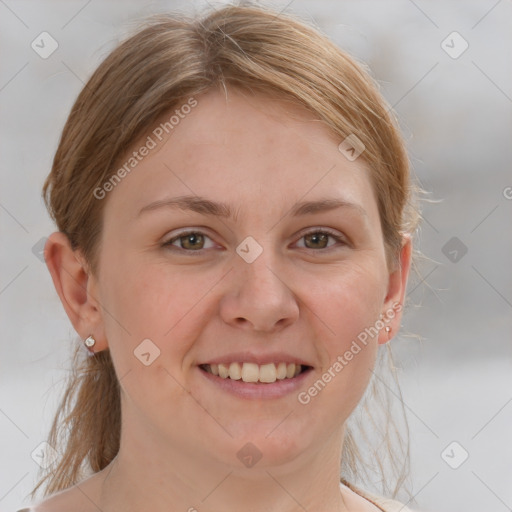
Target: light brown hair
168	60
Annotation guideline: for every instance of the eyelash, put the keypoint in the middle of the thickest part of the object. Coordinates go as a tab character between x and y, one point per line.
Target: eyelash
168	244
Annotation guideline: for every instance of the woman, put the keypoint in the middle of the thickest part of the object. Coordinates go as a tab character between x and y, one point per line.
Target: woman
234	213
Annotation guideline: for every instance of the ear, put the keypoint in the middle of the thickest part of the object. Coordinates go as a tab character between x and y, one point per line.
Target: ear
394	301
75	286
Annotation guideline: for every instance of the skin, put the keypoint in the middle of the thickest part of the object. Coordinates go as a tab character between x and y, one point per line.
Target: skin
180	433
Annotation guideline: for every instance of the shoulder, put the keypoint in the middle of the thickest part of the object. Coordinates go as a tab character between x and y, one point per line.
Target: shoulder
59	502
377	501
387	504
78	498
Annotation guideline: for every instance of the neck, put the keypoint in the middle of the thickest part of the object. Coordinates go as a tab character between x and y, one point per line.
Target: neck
147	476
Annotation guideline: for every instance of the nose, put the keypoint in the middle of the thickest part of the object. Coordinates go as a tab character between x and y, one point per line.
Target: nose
258	296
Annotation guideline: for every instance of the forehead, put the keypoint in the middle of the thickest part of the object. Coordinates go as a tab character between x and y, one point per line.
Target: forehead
244	150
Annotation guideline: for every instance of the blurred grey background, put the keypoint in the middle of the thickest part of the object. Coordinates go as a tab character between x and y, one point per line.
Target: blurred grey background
446	67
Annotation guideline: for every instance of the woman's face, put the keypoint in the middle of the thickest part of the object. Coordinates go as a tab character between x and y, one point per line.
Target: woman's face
271	283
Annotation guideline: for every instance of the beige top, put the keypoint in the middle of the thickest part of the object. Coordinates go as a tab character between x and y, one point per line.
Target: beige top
385	504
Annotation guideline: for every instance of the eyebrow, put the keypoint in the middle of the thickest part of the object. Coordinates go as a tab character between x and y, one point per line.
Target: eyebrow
205	206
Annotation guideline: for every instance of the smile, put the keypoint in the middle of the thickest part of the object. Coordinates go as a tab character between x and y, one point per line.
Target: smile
253	381
252	372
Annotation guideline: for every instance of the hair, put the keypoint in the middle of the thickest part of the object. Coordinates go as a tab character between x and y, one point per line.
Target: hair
169	59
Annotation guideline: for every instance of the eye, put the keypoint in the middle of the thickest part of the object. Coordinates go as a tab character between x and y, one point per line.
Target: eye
190	241
319	238
194	241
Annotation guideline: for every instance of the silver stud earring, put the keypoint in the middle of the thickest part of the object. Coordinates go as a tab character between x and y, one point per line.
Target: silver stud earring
89	342
388	329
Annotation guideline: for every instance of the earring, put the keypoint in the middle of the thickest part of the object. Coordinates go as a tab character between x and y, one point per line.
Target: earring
388	329
89	342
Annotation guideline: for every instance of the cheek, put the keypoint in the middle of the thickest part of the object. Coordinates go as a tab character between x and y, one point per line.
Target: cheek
348	353
348	307
143	301
150	324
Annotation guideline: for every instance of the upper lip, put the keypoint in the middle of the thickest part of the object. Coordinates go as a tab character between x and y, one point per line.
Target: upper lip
259	359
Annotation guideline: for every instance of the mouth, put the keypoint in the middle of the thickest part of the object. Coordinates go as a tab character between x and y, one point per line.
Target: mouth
254	373
250	380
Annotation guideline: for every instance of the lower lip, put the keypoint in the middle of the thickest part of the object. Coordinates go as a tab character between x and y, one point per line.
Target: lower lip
253	390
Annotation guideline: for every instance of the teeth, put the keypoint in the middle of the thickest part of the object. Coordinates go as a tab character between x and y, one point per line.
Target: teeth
281	371
223	371
251	372
235	371
268	372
